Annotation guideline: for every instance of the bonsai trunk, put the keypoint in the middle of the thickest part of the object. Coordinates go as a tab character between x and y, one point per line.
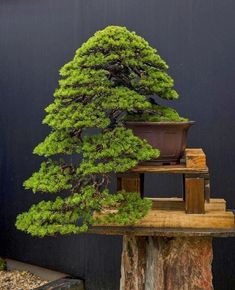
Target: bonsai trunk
156	263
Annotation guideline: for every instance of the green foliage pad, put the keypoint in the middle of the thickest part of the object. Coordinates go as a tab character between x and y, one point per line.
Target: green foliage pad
112	78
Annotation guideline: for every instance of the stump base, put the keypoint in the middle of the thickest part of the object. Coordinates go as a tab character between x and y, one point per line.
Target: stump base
159	263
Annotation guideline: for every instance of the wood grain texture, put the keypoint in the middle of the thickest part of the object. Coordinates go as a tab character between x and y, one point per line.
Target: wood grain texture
194	195
176	203
167	169
195	158
129	182
163	232
155	263
194	161
133	263
179	264
180	220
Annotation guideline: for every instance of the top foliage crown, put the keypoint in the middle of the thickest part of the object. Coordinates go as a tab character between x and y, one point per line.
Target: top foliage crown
118	51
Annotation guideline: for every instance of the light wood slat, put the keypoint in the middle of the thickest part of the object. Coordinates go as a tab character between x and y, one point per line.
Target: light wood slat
167	169
195	158
179	219
176	203
194	162
163	232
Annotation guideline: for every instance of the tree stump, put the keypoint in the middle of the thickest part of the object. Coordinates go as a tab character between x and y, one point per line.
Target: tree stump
158	263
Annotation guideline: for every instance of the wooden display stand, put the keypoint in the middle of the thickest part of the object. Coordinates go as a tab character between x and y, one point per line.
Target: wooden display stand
171	247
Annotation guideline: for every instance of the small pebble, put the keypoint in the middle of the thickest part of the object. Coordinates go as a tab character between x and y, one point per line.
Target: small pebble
19	280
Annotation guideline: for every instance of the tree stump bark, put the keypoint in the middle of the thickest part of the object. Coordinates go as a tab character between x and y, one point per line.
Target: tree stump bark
157	263
133	263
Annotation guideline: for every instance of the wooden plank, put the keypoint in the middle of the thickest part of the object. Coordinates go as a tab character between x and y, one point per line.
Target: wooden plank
162	232
167	169
213	219
179	219
215	204
129	182
194	162
195	158
193	151
194	195
172	203
176	203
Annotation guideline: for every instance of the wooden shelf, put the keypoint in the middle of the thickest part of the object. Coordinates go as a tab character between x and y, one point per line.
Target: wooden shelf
168	169
157	218
195	214
168	216
163	232
175	223
194	161
176	203
193	168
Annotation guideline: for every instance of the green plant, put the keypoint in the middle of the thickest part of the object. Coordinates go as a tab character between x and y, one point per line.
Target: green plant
3	265
113	75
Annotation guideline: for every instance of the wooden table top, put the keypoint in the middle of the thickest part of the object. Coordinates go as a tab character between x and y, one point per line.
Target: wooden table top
166	232
170	221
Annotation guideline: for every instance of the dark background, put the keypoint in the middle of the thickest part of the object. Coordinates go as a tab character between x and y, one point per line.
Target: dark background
195	37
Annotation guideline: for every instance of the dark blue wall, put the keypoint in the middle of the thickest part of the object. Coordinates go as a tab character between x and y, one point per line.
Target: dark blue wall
197	39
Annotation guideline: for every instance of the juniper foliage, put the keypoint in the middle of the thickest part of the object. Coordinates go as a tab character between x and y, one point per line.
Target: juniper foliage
111	78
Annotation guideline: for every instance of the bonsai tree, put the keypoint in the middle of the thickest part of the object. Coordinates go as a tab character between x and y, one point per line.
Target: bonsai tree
113	76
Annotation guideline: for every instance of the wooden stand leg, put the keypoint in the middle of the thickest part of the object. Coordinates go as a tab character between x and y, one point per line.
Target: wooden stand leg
157	263
131	182
194	194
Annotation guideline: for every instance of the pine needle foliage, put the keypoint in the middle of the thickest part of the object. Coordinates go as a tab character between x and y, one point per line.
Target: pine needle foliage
112	77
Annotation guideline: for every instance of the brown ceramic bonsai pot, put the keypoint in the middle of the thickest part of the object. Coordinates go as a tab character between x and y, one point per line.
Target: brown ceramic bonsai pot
169	137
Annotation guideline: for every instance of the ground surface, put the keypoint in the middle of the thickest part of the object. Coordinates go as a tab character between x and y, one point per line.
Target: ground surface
19	280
